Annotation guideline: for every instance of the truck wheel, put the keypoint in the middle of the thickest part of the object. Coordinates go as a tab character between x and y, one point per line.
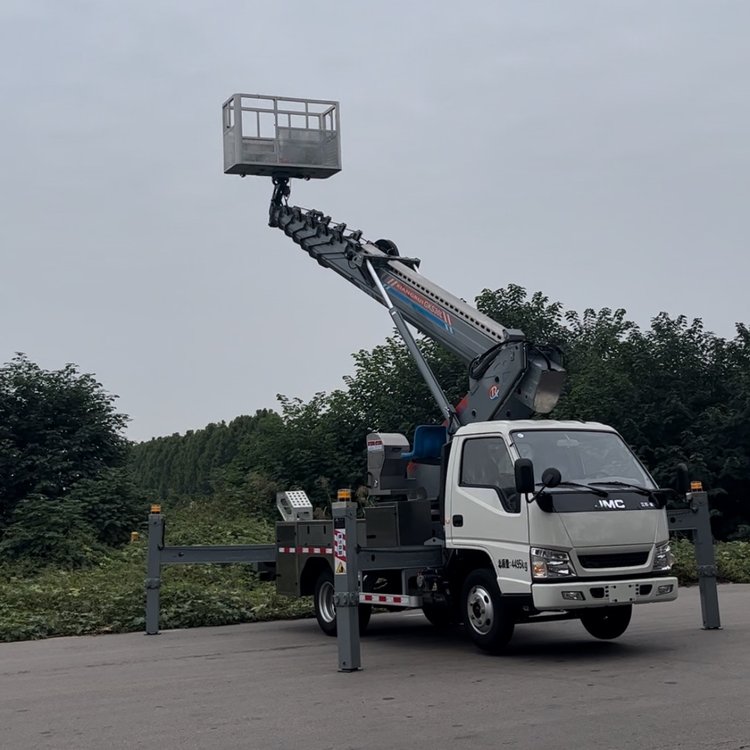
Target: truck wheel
487	618
325	609
441	615
607	622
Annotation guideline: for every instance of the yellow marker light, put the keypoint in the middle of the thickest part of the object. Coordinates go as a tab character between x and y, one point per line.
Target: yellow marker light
343	495
156	508
696	486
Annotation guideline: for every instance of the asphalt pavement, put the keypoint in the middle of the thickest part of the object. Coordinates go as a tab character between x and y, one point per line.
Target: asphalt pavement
665	684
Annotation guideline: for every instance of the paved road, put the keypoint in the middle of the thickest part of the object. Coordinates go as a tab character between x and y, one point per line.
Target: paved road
665	684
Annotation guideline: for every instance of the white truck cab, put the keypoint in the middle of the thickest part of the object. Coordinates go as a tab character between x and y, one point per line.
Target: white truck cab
597	538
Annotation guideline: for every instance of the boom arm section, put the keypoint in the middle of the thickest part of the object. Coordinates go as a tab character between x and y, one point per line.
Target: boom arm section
508	377
458	327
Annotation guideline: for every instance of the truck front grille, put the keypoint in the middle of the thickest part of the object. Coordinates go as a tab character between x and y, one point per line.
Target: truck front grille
618	560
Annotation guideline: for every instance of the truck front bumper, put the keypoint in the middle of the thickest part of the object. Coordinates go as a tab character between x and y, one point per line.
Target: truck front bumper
579	594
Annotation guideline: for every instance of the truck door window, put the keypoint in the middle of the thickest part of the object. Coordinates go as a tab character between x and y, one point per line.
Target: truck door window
485	462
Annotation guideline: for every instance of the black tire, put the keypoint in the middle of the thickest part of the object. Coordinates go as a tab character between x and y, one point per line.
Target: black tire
441	615
607	623
325	610
488	619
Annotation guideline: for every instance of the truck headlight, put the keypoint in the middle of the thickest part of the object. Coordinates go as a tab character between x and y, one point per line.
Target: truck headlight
550	563
663	557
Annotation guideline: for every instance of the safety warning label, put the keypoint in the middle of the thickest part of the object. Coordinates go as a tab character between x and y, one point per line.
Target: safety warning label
339	551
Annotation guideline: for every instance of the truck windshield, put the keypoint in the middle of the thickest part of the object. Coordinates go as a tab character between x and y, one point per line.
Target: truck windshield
582	456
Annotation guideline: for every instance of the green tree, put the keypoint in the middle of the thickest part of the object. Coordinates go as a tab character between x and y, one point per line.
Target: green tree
674	390
111	505
61	444
541	321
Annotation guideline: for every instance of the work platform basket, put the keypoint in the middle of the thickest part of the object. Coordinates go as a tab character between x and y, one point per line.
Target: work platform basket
278	137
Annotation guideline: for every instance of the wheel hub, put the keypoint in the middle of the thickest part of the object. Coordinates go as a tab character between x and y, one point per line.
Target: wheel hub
325	602
480	611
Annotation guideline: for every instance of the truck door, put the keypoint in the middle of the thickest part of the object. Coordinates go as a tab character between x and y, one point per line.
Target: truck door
485	512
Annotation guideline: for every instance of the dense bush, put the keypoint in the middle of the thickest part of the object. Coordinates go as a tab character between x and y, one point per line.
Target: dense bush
64	490
108	595
732	562
109	598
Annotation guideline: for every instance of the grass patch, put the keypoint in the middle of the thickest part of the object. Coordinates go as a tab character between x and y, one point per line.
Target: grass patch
732	562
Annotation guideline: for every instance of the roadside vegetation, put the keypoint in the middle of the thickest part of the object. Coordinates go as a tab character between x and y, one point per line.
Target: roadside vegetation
108	597
72	488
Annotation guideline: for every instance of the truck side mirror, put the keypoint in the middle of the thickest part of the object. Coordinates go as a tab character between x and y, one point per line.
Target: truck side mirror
524	473
683	479
551	477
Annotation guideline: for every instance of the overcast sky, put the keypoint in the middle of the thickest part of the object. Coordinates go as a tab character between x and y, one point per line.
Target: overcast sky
597	151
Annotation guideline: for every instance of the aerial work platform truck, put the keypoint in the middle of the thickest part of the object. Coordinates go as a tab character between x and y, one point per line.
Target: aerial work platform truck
492	516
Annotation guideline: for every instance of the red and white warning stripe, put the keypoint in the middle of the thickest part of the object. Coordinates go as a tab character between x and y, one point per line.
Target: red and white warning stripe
393	599
306	550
